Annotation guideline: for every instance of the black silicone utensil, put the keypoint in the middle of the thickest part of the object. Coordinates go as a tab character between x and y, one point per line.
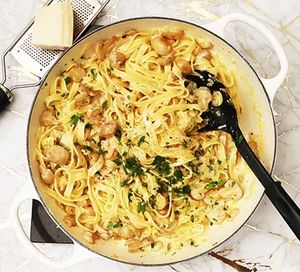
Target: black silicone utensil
224	117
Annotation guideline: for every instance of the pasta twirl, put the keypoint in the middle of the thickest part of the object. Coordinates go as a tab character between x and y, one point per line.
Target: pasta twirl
118	144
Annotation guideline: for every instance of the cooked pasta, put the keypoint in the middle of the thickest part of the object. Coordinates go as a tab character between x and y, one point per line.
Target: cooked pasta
119	149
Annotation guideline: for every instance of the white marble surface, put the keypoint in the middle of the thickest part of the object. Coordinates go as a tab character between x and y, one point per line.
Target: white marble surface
265	243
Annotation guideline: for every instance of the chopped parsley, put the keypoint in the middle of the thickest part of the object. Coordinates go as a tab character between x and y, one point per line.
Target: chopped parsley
118	133
161	165
87	148
101	151
186	189
104	104
132	165
141	140
152	245
178	174
152	201
88	126
214	184
75	119
109	69
232	183
141	207
176	213
184	143
192	218
219	162
68	80
114	226
94	73
210	168
239	139
117	161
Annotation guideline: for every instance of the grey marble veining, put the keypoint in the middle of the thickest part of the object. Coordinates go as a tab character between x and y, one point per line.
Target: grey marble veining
265	243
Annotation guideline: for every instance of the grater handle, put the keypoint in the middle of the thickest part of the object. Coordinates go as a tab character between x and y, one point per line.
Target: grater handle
5	97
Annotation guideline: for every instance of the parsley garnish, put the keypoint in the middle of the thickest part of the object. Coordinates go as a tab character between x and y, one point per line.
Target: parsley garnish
94	73
104	104
132	165
176	213
88	126
186	189
161	165
214	184
141	140
192	218
68	80
117	161
75	119
87	148
109	69
239	139
118	133
210	168
178	174
114	226
141	207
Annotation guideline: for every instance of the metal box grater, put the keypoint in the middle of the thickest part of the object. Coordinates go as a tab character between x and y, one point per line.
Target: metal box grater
38	61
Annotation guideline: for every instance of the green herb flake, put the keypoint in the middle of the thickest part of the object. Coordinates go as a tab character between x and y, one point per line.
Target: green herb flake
117	161
178	174
184	143
132	165
239	139
87	148
219	162
114	226
161	165
109	69
141	208
104	104
192	218
176	213
210	168
88	126
141	140
214	184
186	189
152	245
118	133
94	72
232	183
75	119
68	80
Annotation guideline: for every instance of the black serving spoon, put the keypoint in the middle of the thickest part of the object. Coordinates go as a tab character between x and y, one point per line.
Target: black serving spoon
224	117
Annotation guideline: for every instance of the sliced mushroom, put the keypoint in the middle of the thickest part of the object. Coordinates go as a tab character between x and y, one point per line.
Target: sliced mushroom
77	74
69	220
203	97
184	66
173	35
116	58
48	118
161	46
46	175
57	154
108	129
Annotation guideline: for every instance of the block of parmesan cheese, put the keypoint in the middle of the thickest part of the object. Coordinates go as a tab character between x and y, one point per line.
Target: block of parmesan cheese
53	26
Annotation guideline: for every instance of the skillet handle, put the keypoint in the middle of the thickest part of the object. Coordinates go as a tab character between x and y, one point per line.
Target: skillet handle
79	254
271	84
5	97
273	189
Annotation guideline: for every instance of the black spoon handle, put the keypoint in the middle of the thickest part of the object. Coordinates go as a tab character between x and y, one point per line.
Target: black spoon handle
278	196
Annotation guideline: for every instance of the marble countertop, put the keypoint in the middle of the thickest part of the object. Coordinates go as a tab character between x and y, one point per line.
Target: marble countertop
264	243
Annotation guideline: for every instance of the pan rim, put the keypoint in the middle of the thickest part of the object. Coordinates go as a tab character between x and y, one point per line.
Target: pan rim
101	28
